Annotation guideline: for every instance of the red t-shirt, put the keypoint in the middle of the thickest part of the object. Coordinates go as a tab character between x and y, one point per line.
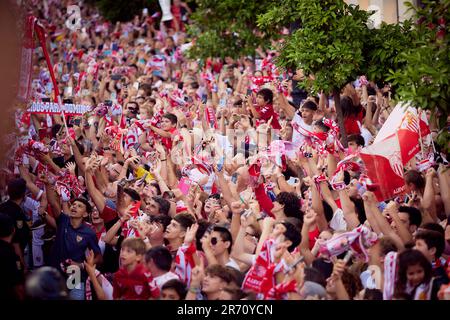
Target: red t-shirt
267	112
313	235
134	285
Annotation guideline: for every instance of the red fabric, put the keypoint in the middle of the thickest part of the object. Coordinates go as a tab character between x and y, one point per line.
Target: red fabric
266	113
167	142
108	214
351	126
313	235
338	203
134	285
263	199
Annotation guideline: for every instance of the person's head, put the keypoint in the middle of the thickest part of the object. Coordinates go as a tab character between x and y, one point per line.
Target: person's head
152	189
348	108
17	189
288	203
413	269
46	283
212	203
315	275
355	141
410	217
221	240
113	171
130	196
230	294
132	109
414	181
132	252
6	227
308	110
312	290
173	290
216	279
158	259
319	126
382	248
430	243
286	234
160	223
80	208
169	121
264	97
287	132
372	294
157	205
178	226
251	239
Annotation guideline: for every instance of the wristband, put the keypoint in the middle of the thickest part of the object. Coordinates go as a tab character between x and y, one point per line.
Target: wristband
195	290
338	186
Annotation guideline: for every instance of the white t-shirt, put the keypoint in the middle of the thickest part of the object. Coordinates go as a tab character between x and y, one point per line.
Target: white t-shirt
297	137
233	264
161	280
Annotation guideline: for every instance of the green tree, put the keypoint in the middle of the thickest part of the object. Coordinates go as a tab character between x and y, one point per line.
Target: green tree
329	45
424	79
227	28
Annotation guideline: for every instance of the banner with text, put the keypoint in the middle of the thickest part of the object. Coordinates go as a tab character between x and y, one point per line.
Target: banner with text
53	108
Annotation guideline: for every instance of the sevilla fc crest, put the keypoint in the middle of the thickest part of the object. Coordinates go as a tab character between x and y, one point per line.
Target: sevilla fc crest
395	161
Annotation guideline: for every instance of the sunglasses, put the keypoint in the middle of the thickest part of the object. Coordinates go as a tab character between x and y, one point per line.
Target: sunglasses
214	241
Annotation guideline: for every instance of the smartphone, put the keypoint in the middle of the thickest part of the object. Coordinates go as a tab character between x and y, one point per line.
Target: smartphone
220	164
145	12
116	77
234	177
136	85
293	180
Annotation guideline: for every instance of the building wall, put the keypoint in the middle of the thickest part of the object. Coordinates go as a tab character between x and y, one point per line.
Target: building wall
390	11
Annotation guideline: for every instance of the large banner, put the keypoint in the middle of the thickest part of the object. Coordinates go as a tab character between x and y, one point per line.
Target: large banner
385	168
409	125
53	108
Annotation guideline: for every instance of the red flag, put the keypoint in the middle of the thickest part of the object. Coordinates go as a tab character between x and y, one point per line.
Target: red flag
408	136
384	167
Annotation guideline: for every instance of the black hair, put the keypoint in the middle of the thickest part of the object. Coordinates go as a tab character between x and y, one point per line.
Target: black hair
324	266
173	118
161	257
327	210
348	108
133	194
85	202
17	189
373	294
359	208
314	275
194	85
433	227
267	95
6	225
164	205
225	234
55	129
185	220
357	138
321	125
292	235
415	217
176	285
291	204
46	283
203	226
163	219
311	105
433	239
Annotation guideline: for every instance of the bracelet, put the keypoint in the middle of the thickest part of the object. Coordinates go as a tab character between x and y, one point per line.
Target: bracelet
163	159
259	219
195	290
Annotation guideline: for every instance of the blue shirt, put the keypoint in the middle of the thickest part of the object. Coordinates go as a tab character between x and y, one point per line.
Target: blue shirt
71	243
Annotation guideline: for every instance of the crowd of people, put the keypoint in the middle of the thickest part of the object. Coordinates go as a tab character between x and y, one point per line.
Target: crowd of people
205	180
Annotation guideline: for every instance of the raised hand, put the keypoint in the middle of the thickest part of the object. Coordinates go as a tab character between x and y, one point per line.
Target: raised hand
89	262
310	217
190	234
71	167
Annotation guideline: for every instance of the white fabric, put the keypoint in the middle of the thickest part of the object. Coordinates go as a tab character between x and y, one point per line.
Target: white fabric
161	280
233	264
298	138
338	222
